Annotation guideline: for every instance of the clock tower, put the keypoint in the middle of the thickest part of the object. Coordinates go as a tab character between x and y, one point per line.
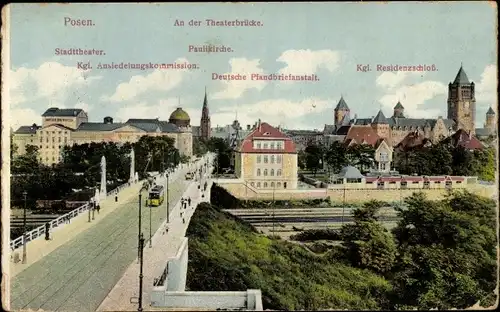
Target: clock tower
462	102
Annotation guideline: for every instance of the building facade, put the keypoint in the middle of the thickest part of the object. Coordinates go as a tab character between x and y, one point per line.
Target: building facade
63	127
267	159
303	138
461	115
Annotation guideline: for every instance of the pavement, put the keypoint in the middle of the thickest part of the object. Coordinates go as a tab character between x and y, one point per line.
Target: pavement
164	246
77	268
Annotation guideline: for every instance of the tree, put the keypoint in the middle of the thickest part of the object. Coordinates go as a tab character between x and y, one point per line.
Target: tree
367	243
447	252
313	157
485	164
27	162
199	147
301	159
361	156
335	157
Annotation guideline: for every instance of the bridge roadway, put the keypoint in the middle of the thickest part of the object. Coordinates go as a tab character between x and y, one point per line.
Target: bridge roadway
78	275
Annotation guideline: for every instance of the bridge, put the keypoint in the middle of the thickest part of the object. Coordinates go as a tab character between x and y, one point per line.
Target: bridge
83	261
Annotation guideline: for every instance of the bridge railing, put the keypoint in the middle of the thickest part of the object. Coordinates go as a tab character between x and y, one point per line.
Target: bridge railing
40	231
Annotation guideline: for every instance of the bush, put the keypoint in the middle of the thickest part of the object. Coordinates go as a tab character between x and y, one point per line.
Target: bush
226	254
316	234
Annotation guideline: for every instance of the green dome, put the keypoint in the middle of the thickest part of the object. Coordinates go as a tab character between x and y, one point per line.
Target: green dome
179	114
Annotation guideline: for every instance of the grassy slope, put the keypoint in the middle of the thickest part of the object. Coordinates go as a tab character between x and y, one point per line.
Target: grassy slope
228	254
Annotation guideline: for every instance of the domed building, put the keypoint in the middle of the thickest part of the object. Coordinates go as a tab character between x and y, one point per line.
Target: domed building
180	118
71	126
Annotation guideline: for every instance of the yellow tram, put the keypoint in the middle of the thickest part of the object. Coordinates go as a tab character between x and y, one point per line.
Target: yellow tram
156	196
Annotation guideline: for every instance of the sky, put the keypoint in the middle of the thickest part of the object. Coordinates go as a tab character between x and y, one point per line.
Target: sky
330	40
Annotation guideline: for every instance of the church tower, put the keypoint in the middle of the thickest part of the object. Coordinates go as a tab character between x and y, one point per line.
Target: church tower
490	121
462	102
381	125
205	130
341	112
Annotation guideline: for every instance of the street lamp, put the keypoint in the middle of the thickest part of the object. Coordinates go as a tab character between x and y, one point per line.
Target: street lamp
168	201
343	205
141	259
140	215
25	194
150	235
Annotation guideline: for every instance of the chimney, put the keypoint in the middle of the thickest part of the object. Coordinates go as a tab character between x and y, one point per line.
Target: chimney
259	126
248	127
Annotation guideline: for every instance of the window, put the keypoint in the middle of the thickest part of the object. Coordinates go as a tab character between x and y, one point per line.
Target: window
53	139
272	159
284	184
258	172
59	132
404	184
380	184
272	172
278	184
265	184
41	140
65	139
272	184
279	145
47	140
258	184
384	156
382	166
265	145
278	172
265	172
59	139
278	159
426	184
53	158
259	159
448	184
31	140
46	158
258	145
272	145
353	180
266	159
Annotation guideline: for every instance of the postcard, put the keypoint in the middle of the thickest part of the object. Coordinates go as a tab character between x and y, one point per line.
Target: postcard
249	156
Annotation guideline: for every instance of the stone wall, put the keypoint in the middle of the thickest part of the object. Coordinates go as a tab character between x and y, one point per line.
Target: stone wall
239	190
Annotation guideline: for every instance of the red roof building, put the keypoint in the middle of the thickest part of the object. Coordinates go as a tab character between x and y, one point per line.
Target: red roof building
361	135
267	159
466	140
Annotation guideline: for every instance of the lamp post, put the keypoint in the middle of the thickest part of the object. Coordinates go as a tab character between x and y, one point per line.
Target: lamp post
274	212
90	208
140	215
343	205
25	195
168	199
150	235
141	259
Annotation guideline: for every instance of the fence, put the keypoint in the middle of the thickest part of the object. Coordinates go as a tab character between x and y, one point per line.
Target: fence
39	231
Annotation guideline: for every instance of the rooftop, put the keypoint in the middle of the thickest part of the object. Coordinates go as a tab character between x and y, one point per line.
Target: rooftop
62	112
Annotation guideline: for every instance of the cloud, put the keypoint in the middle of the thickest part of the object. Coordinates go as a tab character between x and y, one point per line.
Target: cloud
306	62
274	111
413	97
23	117
389	80
486	88
278	111
161	110
51	80
158	80
235	89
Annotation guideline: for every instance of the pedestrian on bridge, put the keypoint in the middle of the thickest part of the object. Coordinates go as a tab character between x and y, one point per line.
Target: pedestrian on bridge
189	201
98	208
183	221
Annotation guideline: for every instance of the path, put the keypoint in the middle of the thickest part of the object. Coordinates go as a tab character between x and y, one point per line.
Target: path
79	274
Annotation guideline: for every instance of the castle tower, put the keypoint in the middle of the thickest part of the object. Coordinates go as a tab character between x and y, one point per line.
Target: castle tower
341	112
381	125
462	102
205	120
399	110
490	121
